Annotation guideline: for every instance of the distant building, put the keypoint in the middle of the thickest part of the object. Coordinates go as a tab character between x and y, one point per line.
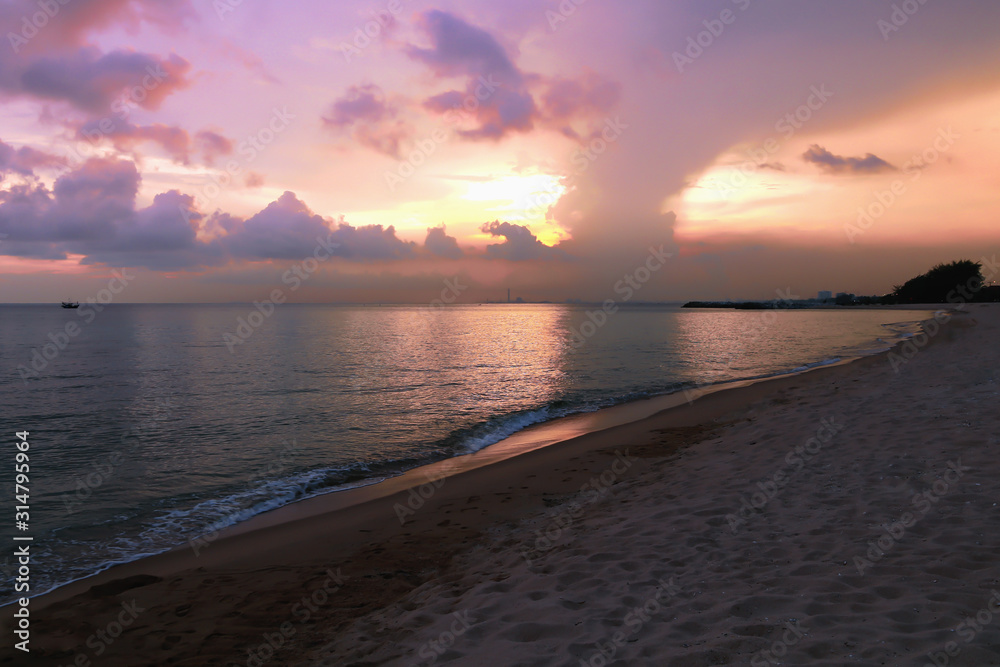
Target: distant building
823	295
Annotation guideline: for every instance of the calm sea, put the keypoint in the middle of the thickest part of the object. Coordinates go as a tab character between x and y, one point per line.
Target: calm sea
150	425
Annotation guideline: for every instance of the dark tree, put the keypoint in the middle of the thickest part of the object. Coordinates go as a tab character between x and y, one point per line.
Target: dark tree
940	283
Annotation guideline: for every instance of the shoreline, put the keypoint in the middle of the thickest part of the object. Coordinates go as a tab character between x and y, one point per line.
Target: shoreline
286	552
535	436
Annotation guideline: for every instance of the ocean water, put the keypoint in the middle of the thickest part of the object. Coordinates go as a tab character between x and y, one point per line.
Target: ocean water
150	424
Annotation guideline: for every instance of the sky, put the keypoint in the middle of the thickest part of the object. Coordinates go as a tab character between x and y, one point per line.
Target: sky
401	150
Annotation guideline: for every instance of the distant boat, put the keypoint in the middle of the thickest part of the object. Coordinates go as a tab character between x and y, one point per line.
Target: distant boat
70	304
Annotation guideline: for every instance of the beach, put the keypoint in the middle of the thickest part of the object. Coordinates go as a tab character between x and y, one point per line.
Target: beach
846	515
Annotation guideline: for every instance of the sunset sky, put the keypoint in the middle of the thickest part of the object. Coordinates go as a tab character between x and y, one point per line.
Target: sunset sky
207	147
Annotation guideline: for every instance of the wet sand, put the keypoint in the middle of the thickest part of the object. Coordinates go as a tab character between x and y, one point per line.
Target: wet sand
843	516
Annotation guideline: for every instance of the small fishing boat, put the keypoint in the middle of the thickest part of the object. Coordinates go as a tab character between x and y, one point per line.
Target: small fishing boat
70	304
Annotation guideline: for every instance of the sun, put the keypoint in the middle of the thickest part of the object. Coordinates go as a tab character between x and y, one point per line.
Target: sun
521	199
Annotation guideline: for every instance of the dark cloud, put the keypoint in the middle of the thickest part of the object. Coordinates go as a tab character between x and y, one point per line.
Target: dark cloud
836	164
497	96
285	229
495	93
440	244
459	48
25	160
84	206
519	244
89	202
93	81
288	229
57	63
158	237
91	211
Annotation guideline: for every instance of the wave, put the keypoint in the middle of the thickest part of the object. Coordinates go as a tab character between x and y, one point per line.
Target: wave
172	527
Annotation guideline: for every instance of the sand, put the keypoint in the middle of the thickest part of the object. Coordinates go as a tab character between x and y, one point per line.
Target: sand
843	516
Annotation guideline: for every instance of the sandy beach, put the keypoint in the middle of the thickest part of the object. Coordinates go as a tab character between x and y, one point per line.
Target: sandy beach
847	515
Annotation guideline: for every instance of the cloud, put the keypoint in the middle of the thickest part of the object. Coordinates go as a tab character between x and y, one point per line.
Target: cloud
498	96
440	244
253	179
92	81
56	63
213	145
284	229
251	62
495	90
359	103
78	18
84	206
836	164
25	160
157	237
364	113
91	211
125	136
519	244
459	48
288	229
566	100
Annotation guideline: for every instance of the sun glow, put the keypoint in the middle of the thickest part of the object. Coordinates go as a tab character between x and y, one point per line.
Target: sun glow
518	198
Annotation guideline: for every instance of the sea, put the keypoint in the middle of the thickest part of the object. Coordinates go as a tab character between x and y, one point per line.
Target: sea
150	425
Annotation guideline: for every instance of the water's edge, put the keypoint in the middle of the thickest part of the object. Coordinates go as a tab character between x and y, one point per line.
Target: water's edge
528	438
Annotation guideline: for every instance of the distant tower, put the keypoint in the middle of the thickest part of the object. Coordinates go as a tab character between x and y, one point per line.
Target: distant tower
508	295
